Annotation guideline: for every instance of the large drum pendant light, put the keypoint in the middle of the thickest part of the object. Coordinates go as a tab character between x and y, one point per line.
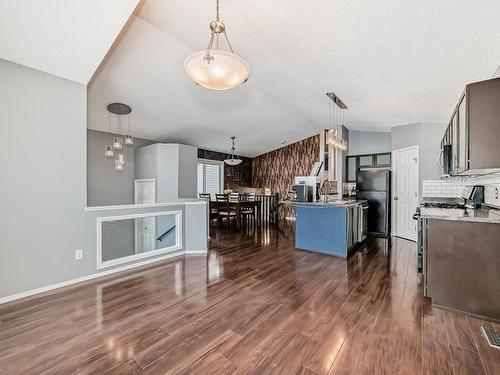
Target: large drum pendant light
216	69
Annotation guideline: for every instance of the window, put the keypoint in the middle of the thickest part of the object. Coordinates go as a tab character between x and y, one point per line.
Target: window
210	176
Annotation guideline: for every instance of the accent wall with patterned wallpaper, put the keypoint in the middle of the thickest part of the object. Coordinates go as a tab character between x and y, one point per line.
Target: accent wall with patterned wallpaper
276	169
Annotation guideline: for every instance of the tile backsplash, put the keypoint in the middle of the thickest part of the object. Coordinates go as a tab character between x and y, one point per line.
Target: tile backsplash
453	187
449	188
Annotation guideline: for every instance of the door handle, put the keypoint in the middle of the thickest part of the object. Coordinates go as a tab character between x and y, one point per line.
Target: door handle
396	198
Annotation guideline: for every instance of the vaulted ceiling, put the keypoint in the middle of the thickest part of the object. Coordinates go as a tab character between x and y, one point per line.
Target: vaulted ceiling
392	61
68	38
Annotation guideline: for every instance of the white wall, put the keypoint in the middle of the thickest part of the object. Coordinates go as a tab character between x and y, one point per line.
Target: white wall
42	197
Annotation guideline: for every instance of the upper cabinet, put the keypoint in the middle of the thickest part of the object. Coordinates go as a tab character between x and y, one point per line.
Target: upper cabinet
463	155
474	129
357	162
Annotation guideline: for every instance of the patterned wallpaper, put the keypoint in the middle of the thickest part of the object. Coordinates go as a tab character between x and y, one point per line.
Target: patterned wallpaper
234	177
276	169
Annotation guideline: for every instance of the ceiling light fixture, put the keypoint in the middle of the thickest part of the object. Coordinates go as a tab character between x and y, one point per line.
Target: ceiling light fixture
214	68
233	159
333	139
116	147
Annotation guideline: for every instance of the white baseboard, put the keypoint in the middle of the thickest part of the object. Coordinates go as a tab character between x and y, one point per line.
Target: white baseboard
196	252
96	275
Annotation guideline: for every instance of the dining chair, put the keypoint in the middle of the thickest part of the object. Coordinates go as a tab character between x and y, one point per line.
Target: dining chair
248	210
249	197
224	209
234	197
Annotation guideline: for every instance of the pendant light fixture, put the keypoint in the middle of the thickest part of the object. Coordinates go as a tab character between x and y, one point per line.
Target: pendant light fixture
333	139
233	159
129	140
117	146
214	68
108	152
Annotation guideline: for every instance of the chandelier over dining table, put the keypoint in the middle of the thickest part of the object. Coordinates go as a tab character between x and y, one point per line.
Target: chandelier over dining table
215	68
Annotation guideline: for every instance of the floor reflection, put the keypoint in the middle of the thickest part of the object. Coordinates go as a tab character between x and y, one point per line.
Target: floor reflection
254	300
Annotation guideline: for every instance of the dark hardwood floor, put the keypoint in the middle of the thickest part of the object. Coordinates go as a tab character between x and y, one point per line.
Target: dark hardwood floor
254	305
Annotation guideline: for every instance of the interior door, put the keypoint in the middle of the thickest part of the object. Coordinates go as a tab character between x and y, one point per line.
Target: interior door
145	228
405	198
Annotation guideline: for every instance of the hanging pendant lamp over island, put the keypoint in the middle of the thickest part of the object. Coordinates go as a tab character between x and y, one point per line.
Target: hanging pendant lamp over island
233	159
214	68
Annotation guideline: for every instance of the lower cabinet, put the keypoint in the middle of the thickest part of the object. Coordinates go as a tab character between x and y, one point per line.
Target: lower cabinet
461	267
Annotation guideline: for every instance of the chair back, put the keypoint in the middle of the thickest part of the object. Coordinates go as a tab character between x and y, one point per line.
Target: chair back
234	197
249	197
222	203
221	197
205	196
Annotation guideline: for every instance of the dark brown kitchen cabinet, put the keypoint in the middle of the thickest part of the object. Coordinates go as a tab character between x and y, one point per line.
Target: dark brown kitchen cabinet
461	268
483	122
474	129
356	162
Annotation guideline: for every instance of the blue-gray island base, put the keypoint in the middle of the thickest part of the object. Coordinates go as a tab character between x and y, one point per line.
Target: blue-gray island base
327	227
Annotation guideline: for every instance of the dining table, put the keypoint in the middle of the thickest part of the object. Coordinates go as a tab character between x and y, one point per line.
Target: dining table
238	204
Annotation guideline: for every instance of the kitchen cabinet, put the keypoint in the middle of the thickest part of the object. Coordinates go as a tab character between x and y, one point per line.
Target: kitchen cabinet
366	161
474	129
356	162
352	168
463	150
461	268
454	142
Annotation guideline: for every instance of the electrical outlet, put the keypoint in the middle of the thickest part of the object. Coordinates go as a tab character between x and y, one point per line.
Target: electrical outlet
79	254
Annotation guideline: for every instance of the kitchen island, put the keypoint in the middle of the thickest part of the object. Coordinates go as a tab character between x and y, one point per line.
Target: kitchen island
332	228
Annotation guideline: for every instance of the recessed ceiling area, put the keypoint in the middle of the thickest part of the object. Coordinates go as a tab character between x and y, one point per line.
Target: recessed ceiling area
68	39
391	62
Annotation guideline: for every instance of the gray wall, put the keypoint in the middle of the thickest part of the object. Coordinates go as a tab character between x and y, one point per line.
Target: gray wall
363	142
105	186
43	158
428	138
172	165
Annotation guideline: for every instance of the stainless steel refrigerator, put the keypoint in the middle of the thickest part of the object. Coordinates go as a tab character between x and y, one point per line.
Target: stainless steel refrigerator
374	185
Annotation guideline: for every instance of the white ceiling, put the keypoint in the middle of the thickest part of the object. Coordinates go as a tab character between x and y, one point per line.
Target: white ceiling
61	37
392	62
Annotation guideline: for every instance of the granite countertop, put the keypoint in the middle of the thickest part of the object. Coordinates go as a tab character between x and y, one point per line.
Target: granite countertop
333	203
482	215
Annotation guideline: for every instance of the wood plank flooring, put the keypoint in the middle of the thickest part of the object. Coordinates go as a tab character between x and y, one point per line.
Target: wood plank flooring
254	305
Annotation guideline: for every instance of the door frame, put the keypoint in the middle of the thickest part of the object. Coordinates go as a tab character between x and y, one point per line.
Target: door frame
393	184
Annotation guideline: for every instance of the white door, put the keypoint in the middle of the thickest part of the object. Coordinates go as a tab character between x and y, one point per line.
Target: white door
405	192
145	228
145	191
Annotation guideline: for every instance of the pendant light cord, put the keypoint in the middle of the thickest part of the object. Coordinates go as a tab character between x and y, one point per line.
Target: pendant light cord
217	7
